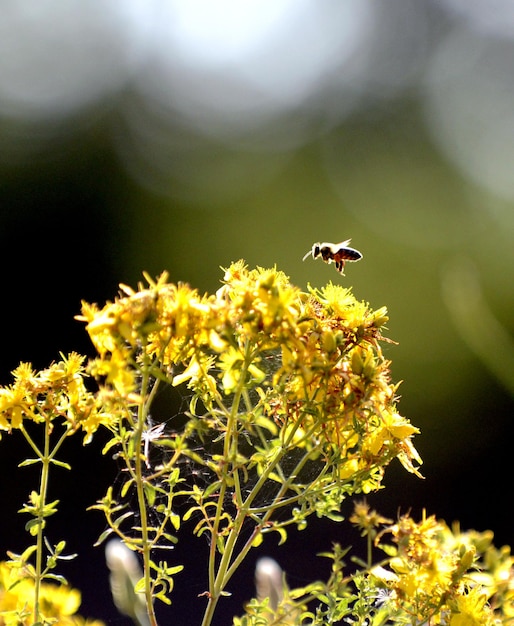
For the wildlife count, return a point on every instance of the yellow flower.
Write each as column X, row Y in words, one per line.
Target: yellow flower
column 232, row 365
column 365, row 519
column 58, row 603
column 470, row 609
column 12, row 407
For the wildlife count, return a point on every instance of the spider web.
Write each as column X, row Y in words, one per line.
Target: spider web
column 170, row 413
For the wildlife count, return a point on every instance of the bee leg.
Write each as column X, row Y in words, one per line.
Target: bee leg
column 340, row 266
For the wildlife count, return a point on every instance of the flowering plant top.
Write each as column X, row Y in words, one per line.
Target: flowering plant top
column 291, row 410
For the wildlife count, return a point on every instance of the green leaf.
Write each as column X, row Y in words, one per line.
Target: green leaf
column 49, row 509
column 220, row 544
column 106, row 533
column 150, row 493
column 119, row 520
column 33, row 525
column 163, row 598
column 389, row 550
column 110, row 444
column 61, row 464
column 57, row 577
column 212, row 488
column 283, row 535
column 190, row 512
column 170, row 538
column 28, row 462
column 175, row 520
column 126, row 487
column 25, row 555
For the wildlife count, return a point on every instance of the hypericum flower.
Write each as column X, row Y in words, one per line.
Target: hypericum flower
column 232, row 365
column 184, row 320
column 434, row 573
column 57, row 393
column 471, row 609
column 58, row 603
column 116, row 370
column 312, row 360
column 365, row 519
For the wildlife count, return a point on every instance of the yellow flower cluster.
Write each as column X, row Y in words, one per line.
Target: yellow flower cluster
column 313, row 359
column 57, row 392
column 58, row 603
column 335, row 385
column 432, row 575
column 446, row 576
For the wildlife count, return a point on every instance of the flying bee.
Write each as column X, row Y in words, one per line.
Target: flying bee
column 337, row 253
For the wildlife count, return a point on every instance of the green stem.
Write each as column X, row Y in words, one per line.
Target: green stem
column 45, row 457
column 43, row 488
column 217, row 580
column 146, row 544
column 228, row 564
column 219, row 576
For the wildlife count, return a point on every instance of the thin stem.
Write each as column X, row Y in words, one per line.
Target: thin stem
column 369, row 550
column 43, row 488
column 217, row 580
column 228, row 565
column 220, row 576
column 146, row 544
column 45, row 456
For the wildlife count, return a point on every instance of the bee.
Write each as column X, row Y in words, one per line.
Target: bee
column 337, row 253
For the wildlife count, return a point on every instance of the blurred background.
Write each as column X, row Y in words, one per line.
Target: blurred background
column 186, row 134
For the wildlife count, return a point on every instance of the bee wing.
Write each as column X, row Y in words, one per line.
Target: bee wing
column 343, row 244
column 353, row 255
